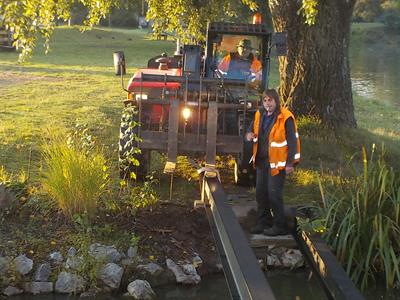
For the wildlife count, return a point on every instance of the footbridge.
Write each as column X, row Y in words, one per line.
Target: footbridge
column 242, row 270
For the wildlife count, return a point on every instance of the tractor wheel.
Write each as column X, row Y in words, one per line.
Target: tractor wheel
column 127, row 148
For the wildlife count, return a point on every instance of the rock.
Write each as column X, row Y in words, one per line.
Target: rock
column 278, row 251
column 151, row 268
column 285, row 258
column 292, row 259
column 132, row 252
column 190, row 270
column 273, row 261
column 6, row 197
column 11, row 291
column 71, row 251
column 141, row 289
column 106, row 253
column 111, row 275
column 197, row 261
column 219, row 267
column 127, row 262
column 74, row 262
column 23, row 264
column 186, row 274
column 56, row 257
column 91, row 293
column 38, row 287
column 69, row 283
column 42, row 272
column 4, row 264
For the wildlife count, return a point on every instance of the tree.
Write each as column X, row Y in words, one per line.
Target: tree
column 315, row 75
column 28, row 18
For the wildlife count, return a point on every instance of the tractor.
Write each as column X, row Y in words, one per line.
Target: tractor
column 185, row 104
column 6, row 39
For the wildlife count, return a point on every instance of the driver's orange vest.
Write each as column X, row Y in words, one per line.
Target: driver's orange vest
column 278, row 149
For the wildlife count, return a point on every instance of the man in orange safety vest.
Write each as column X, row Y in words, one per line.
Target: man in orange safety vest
column 276, row 150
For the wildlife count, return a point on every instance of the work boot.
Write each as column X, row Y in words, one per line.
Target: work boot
column 259, row 228
column 274, row 231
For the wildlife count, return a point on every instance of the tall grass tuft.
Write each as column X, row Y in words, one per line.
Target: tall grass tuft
column 362, row 219
column 74, row 176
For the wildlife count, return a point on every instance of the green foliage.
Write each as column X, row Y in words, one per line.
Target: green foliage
column 391, row 14
column 362, row 219
column 185, row 168
column 366, row 10
column 16, row 185
column 143, row 196
column 129, row 157
column 309, row 10
column 29, row 18
column 74, row 176
column 90, row 267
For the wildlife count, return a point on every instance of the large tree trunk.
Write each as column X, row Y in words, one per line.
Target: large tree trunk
column 315, row 75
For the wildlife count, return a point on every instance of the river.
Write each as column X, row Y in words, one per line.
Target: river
column 375, row 66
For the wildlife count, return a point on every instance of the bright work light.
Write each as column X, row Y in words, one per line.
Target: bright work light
column 186, row 113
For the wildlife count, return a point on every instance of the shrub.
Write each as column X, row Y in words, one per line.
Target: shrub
column 74, row 176
column 362, row 221
column 145, row 195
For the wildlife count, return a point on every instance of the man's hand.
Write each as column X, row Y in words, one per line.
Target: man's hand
column 289, row 169
column 250, row 136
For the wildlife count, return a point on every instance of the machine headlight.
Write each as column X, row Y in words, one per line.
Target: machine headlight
column 249, row 104
column 140, row 97
column 186, row 113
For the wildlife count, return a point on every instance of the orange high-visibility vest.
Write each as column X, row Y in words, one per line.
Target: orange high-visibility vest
column 278, row 149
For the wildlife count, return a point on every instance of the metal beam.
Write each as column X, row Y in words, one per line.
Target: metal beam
column 191, row 143
column 243, row 272
column 173, row 125
column 328, row 271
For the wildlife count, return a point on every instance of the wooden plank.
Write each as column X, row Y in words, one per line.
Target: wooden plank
column 260, row 240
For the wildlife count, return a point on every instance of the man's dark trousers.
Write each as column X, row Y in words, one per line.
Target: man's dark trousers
column 269, row 195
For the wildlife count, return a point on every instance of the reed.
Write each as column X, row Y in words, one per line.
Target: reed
column 74, row 177
column 362, row 222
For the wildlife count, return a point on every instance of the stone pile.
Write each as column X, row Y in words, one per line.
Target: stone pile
column 116, row 271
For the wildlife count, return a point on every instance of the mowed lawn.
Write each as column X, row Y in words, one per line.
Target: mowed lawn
column 74, row 83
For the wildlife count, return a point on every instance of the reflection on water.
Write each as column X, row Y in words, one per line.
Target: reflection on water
column 375, row 69
column 286, row 285
column 295, row 284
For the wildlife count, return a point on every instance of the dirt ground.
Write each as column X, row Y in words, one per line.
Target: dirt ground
column 170, row 230
column 179, row 232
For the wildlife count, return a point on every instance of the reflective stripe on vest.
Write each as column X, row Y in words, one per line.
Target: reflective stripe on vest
column 278, row 143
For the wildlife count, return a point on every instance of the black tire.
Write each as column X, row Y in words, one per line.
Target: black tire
column 127, row 145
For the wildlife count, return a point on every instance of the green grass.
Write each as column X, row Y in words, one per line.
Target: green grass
column 74, row 83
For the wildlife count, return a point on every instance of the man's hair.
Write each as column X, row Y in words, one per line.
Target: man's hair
column 272, row 93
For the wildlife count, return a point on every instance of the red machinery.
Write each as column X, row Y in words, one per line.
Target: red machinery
column 185, row 104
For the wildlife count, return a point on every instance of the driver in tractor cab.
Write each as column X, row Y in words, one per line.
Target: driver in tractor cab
column 241, row 64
